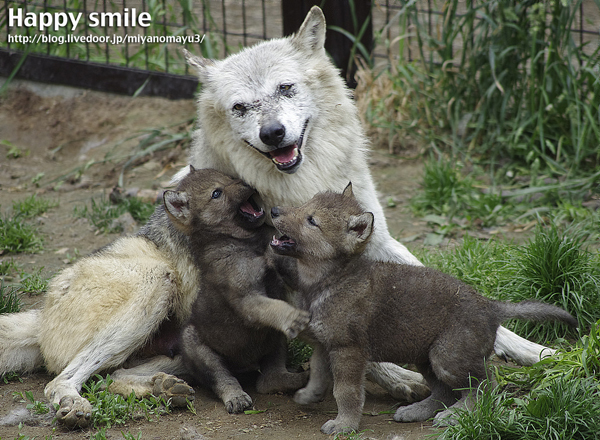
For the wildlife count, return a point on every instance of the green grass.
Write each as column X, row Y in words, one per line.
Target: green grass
column 111, row 409
column 102, row 212
column 555, row 267
column 17, row 236
column 10, row 300
column 518, row 98
column 35, row 406
column 557, row 398
column 7, row 267
column 34, row 283
column 32, row 206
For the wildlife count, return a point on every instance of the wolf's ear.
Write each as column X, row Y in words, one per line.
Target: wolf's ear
column 311, row 35
column 201, row 65
column 360, row 227
column 348, row 190
column 177, row 205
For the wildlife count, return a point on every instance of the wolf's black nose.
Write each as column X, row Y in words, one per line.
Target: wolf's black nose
column 272, row 133
column 274, row 212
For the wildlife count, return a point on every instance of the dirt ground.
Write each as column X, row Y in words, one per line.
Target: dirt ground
column 60, row 129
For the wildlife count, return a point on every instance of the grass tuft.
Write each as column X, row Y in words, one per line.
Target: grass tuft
column 554, row 267
column 10, row 300
column 102, row 212
column 111, row 409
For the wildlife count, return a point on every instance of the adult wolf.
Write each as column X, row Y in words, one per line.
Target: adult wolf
column 278, row 116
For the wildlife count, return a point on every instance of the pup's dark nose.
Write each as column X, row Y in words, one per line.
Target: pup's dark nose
column 274, row 212
column 272, row 133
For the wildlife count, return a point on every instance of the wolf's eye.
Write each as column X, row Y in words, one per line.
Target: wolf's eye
column 286, row 89
column 241, row 108
column 312, row 220
column 216, row 193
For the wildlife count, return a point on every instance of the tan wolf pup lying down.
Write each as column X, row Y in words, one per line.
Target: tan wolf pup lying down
column 363, row 310
column 240, row 320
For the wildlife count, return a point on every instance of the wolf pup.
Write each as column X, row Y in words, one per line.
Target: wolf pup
column 240, row 320
column 278, row 116
column 363, row 310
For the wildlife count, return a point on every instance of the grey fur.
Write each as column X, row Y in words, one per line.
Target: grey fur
column 240, row 320
column 374, row 311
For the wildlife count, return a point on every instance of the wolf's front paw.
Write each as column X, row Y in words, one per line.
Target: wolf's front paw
column 171, row 387
column 239, row 403
column 297, row 322
column 336, row 427
column 74, row 412
column 304, row 396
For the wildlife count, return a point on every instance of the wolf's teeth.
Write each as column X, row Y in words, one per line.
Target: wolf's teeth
column 289, row 161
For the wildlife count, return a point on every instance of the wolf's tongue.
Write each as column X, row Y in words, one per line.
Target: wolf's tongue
column 249, row 209
column 284, row 155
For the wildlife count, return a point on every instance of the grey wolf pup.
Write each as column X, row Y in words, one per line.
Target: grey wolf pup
column 240, row 320
column 278, row 116
column 364, row 310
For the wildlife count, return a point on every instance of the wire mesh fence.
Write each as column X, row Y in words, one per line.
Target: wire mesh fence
column 148, row 34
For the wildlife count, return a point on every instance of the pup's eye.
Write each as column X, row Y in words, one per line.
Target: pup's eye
column 312, row 220
column 239, row 107
column 216, row 193
column 285, row 89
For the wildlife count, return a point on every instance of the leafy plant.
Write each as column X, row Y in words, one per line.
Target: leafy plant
column 111, row 409
column 34, row 283
column 34, row 406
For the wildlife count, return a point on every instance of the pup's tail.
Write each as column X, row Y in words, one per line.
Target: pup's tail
column 536, row 311
column 19, row 347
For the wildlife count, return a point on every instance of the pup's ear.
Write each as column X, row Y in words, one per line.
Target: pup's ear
column 201, row 65
column 348, row 190
column 177, row 205
column 311, row 35
column 360, row 227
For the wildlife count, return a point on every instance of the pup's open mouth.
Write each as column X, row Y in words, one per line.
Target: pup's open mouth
column 251, row 211
column 283, row 244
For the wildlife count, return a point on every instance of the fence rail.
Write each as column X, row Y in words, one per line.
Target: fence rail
column 143, row 37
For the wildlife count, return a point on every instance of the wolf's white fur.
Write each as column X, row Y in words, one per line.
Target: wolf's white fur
column 102, row 309
column 96, row 315
column 334, row 146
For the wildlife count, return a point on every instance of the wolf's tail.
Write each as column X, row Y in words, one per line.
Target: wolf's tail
column 19, row 347
column 536, row 311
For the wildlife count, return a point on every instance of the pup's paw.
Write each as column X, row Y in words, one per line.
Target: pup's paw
column 171, row 387
column 74, row 412
column 337, row 427
column 409, row 390
column 238, row 403
column 414, row 413
column 297, row 322
column 304, row 396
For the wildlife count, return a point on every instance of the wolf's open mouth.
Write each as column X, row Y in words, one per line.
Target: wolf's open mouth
column 283, row 244
column 287, row 159
column 251, row 211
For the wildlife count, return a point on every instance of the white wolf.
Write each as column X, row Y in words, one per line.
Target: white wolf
column 276, row 115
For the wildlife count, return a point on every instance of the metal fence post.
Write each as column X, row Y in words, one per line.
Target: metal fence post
column 337, row 13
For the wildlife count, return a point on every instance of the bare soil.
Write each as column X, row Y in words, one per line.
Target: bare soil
column 61, row 129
